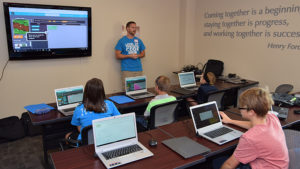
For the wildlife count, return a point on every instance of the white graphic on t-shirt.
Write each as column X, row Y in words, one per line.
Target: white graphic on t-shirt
column 83, row 111
column 132, row 48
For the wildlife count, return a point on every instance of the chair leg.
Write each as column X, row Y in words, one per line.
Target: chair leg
column 61, row 146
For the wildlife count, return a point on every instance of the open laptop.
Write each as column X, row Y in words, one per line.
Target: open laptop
column 136, row 87
column 67, row 99
column 208, row 124
column 187, row 83
column 116, row 142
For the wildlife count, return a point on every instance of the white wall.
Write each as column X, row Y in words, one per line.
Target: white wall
column 172, row 31
column 34, row 81
column 250, row 57
column 188, row 41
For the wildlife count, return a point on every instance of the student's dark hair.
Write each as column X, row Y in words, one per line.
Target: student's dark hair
column 129, row 23
column 163, row 83
column 94, row 96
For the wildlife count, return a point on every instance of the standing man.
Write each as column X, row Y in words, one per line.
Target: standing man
column 130, row 49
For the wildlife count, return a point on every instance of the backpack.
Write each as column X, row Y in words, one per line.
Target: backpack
column 214, row 66
column 11, row 128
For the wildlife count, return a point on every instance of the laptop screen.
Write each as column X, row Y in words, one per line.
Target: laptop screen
column 111, row 130
column 205, row 115
column 69, row 96
column 186, row 78
column 135, row 83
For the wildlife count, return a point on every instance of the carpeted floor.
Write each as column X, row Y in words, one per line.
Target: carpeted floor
column 25, row 153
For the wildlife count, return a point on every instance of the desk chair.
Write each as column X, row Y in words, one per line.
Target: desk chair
column 218, row 97
column 87, row 137
column 292, row 141
column 241, row 90
column 163, row 114
column 284, row 88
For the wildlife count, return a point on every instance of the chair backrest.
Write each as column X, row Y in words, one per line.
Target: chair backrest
column 284, row 88
column 293, row 144
column 87, row 136
column 218, row 97
column 163, row 114
column 242, row 89
column 214, row 66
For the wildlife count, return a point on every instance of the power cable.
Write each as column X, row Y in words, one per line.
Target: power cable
column 2, row 73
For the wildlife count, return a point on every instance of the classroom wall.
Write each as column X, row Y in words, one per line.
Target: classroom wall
column 173, row 32
column 251, row 57
column 33, row 81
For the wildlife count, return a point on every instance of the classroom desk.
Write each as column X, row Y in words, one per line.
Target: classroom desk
column 83, row 157
column 56, row 125
column 55, row 116
column 222, row 85
column 231, row 91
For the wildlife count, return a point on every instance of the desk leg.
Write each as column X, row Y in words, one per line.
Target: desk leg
column 44, row 145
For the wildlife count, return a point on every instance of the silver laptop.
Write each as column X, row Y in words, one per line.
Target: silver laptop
column 208, row 124
column 67, row 99
column 136, row 87
column 185, row 146
column 116, row 142
column 187, row 81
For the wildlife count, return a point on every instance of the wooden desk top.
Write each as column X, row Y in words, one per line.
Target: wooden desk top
column 223, row 85
column 51, row 117
column 163, row 158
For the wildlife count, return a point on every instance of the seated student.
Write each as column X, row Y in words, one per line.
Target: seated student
column 162, row 85
column 94, row 106
column 207, row 82
column 263, row 145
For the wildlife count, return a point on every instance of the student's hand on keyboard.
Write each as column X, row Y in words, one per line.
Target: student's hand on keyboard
column 225, row 118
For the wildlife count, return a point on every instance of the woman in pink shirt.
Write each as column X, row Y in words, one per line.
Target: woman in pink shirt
column 263, row 146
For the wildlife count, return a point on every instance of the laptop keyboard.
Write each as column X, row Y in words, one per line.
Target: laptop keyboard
column 192, row 87
column 139, row 94
column 218, row 132
column 121, row 152
column 69, row 109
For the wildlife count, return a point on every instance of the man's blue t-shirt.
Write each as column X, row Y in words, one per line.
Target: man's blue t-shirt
column 84, row 118
column 129, row 46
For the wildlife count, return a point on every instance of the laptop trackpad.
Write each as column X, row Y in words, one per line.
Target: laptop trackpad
column 228, row 137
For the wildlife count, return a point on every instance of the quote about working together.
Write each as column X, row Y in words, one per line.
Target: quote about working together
column 240, row 24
